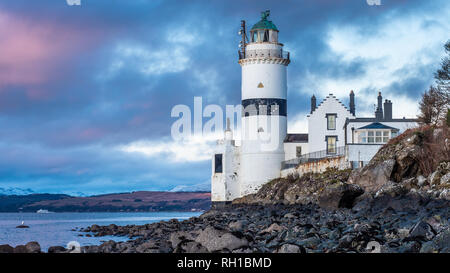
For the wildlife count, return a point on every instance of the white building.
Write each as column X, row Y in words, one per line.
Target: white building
column 266, row 148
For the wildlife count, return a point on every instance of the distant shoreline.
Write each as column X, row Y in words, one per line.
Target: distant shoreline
column 141, row 201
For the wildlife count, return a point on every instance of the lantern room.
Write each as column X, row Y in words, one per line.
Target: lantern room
column 264, row 31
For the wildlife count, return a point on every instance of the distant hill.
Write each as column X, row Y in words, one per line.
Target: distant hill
column 134, row 201
column 15, row 203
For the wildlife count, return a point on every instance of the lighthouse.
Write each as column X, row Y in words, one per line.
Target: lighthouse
column 242, row 170
column 264, row 92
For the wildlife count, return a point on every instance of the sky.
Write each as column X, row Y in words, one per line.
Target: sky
column 86, row 92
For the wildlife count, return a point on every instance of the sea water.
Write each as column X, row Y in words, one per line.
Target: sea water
column 57, row 229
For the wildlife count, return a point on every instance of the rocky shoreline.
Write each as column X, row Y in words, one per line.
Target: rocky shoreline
column 421, row 225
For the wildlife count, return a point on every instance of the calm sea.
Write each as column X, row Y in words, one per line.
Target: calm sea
column 55, row 229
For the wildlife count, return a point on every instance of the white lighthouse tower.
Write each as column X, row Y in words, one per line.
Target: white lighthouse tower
column 264, row 93
column 242, row 170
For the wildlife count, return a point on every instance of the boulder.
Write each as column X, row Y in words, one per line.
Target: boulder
column 20, row 249
column 191, row 247
column 392, row 189
column 237, row 225
column 56, row 249
column 421, row 181
column 177, row 237
column 422, row 231
column 373, row 176
column 6, row 249
column 339, row 195
column 445, row 180
column 273, row 228
column 214, row 240
column 147, row 247
column 291, row 248
column 442, row 241
column 94, row 228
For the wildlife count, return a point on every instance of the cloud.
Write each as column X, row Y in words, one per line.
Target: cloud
column 192, row 149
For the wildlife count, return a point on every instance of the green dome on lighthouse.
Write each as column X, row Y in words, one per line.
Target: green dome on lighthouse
column 264, row 23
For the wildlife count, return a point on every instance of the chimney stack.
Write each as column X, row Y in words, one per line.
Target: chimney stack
column 379, row 111
column 313, row 103
column 352, row 102
column 387, row 110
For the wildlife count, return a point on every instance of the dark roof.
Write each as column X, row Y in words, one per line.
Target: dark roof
column 296, row 138
column 377, row 125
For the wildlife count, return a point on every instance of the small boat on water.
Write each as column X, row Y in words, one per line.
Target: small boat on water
column 22, row 225
column 43, row 211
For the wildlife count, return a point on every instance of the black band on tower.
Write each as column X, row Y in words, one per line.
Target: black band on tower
column 268, row 107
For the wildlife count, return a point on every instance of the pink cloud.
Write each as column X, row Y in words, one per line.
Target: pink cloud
column 33, row 52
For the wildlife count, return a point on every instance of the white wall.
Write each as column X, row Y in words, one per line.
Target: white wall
column 317, row 124
column 290, row 149
column 225, row 186
column 362, row 152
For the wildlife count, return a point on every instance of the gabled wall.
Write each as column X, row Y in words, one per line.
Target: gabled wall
column 317, row 124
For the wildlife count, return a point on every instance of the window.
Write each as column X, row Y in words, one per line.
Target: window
column 373, row 136
column 331, row 121
column 370, row 137
column 362, row 137
column 331, row 144
column 218, row 163
column 266, row 36
column 273, row 35
column 378, row 136
column 385, row 136
column 298, row 151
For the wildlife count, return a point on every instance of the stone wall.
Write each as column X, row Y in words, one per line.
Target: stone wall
column 319, row 166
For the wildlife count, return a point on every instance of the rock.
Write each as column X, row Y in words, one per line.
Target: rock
column 176, row 237
column 339, row 195
column 20, row 249
column 403, row 233
column 56, row 249
column 33, row 247
column 421, row 181
column 445, row 180
column 238, row 225
column 392, row 189
column 442, row 241
column 290, row 216
column 291, row 248
column 311, row 242
column 273, row 227
column 372, row 176
column 146, row 247
column 214, row 240
column 6, row 249
column 428, row 247
column 191, row 247
column 422, row 231
column 108, row 247
column 435, row 178
column 95, row 228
